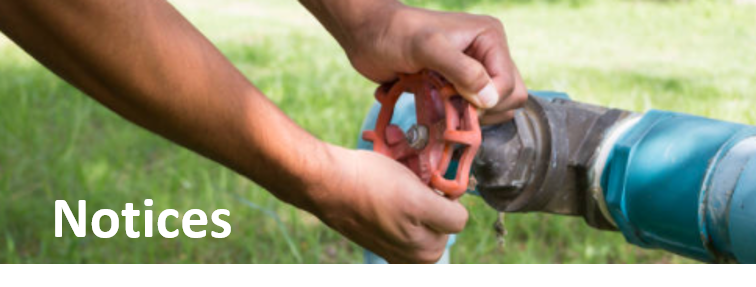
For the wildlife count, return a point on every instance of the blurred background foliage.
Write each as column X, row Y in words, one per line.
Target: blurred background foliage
column 695, row 57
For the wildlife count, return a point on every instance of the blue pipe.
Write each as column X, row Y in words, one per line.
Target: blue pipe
column 685, row 184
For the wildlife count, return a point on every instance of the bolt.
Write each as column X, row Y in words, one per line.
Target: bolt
column 417, row 136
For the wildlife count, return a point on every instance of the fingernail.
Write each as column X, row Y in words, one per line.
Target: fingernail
column 488, row 95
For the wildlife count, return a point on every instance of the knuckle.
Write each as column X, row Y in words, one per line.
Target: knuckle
column 493, row 22
column 508, row 88
column 413, row 230
column 460, row 225
column 519, row 97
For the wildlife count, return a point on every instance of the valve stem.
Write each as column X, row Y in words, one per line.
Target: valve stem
column 417, row 136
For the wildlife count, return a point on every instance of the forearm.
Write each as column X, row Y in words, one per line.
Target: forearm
column 143, row 60
column 349, row 20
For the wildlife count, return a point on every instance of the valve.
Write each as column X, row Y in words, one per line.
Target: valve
column 447, row 125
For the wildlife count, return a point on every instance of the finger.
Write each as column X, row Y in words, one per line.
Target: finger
column 443, row 215
column 491, row 49
column 467, row 75
column 503, row 111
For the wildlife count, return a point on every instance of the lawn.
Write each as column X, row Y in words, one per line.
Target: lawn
column 696, row 57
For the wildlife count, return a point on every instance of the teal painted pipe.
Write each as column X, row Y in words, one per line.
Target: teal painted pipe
column 685, row 184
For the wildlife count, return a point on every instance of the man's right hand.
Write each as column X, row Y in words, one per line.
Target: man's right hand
column 385, row 38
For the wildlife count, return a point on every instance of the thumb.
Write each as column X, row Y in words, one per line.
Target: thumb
column 444, row 215
column 468, row 76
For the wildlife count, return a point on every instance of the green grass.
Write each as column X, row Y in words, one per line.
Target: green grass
column 694, row 56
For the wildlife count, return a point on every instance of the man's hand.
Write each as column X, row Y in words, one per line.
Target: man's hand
column 384, row 38
column 381, row 205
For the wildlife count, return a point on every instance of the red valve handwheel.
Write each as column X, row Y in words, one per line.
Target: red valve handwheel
column 450, row 121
